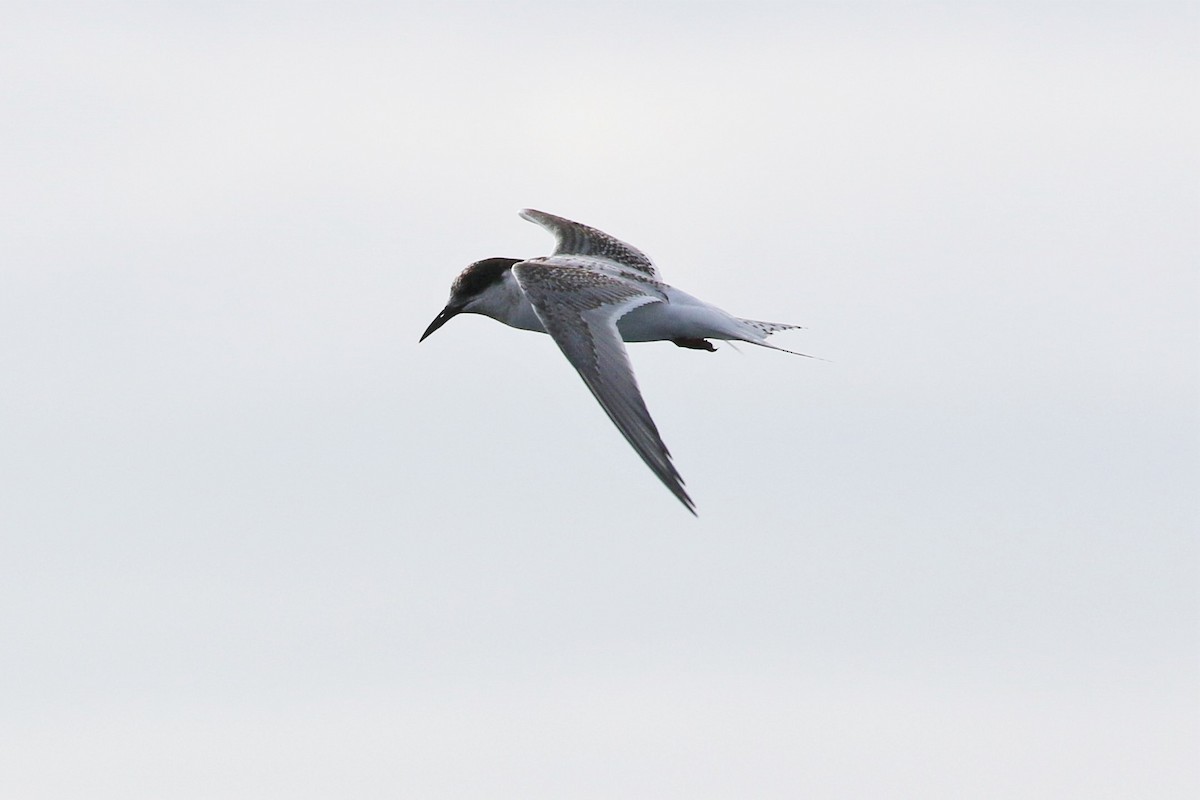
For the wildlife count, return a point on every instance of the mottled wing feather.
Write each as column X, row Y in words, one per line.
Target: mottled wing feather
column 580, row 309
column 577, row 239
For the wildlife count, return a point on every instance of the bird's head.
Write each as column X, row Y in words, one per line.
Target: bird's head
column 469, row 288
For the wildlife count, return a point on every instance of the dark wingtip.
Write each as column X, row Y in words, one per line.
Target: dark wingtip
column 675, row 484
column 686, row 499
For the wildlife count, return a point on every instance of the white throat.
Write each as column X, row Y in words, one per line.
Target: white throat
column 504, row 302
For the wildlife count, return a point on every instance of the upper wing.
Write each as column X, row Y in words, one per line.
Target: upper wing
column 580, row 309
column 576, row 239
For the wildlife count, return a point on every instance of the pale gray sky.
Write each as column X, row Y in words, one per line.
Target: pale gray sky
column 259, row 543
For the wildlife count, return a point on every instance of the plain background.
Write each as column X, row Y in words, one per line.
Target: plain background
column 259, row 543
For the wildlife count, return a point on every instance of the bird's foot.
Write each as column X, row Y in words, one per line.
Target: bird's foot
column 695, row 344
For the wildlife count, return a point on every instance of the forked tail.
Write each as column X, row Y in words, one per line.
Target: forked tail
column 759, row 331
column 767, row 328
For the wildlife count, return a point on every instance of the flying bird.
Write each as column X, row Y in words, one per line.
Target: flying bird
column 592, row 294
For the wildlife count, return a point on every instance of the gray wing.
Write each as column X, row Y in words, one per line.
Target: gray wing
column 576, row 239
column 580, row 309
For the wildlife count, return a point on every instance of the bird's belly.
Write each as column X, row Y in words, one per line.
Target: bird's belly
column 655, row 322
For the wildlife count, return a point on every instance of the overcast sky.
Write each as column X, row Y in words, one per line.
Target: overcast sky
column 258, row 543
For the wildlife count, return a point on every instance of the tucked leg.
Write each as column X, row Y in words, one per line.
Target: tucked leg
column 695, row 344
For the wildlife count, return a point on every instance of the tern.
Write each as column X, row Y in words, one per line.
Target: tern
column 592, row 294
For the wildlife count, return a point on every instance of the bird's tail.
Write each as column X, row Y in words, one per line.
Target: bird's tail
column 757, row 332
column 767, row 328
